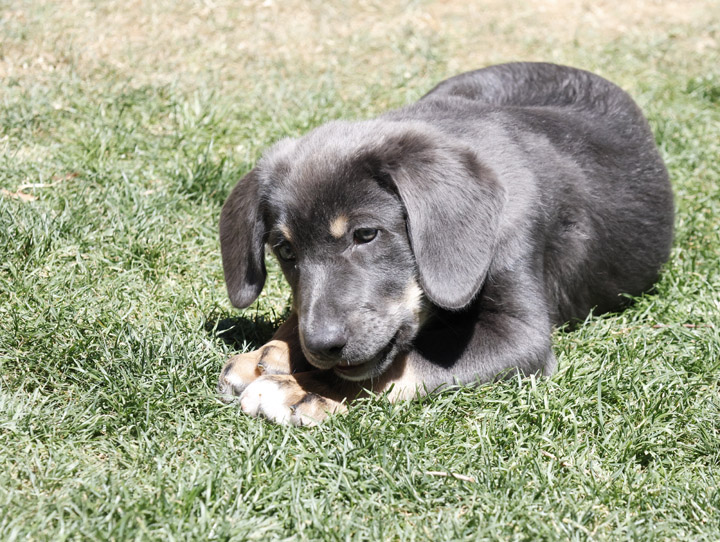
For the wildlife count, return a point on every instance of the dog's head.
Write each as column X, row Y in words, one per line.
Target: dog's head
column 372, row 223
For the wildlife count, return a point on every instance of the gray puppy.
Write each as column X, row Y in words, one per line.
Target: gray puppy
column 440, row 243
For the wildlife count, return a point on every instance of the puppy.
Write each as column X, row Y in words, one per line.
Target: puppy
column 440, row 243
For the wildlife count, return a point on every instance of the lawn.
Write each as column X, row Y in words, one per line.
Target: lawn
column 123, row 125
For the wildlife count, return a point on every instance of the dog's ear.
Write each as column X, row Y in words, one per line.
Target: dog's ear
column 242, row 240
column 453, row 205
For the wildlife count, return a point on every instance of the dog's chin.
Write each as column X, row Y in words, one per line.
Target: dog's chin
column 360, row 370
column 370, row 369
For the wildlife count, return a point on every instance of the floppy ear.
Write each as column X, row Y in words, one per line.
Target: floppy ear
column 242, row 238
column 453, row 206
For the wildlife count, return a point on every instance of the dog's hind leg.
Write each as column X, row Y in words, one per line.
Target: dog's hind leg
column 280, row 356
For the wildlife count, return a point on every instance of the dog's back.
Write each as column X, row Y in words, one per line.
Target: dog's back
column 613, row 227
column 538, row 84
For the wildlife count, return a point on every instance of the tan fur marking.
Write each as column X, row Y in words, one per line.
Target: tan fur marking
column 274, row 358
column 400, row 381
column 285, row 231
column 240, row 368
column 313, row 409
column 413, row 300
column 278, row 356
column 338, row 226
column 292, row 392
column 310, row 398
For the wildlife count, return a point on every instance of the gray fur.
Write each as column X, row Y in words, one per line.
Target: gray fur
column 518, row 196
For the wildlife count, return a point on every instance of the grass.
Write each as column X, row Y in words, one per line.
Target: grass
column 123, row 127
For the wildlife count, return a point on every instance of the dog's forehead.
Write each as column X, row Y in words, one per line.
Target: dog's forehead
column 321, row 183
column 313, row 185
column 316, row 201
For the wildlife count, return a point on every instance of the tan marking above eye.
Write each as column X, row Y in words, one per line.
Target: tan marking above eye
column 285, row 231
column 338, row 226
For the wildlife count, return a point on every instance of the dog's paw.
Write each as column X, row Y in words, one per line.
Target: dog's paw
column 284, row 400
column 242, row 369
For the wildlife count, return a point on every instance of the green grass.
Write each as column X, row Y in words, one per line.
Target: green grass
column 112, row 303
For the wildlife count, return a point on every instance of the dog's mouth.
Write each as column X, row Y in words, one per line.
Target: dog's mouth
column 371, row 368
column 351, row 362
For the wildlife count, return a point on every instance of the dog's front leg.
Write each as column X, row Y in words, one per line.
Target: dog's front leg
column 282, row 355
column 308, row 398
column 299, row 399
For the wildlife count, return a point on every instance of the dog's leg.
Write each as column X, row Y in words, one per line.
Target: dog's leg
column 308, row 398
column 281, row 355
column 298, row 399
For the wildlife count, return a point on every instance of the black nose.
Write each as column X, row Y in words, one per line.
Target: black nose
column 326, row 343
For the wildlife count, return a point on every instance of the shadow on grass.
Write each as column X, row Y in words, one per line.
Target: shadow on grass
column 243, row 332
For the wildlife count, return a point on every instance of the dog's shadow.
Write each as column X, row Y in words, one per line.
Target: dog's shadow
column 243, row 332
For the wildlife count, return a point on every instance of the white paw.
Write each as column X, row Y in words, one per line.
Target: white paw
column 270, row 399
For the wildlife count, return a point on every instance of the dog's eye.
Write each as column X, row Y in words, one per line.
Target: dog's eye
column 365, row 235
column 285, row 252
